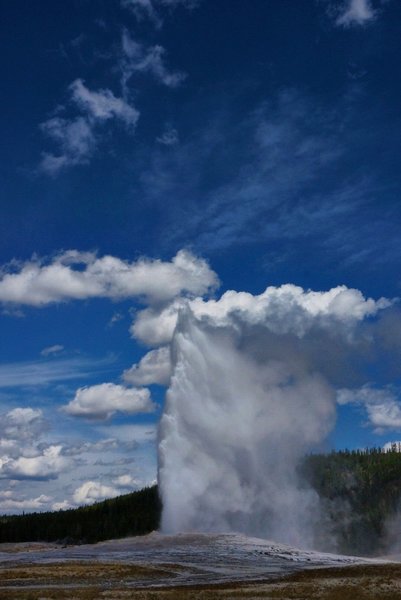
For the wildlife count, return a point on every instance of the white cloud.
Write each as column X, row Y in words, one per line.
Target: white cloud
column 45, row 466
column 23, row 416
column 93, row 491
column 286, row 309
column 23, row 454
column 126, row 482
column 392, row 446
column 103, row 400
column 155, row 326
column 356, row 12
column 154, row 367
column 37, row 283
column 9, row 503
column 22, row 424
column 382, row 405
column 63, row 505
column 49, row 350
column 138, row 59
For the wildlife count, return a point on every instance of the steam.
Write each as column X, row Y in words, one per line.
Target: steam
column 252, row 391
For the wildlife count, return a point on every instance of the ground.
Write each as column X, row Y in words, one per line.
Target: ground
column 186, row 567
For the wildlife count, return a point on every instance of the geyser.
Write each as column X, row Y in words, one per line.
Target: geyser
column 251, row 392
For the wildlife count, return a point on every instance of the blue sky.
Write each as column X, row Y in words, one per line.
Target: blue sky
column 256, row 142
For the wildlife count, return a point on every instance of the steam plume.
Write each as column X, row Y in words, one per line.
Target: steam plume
column 250, row 394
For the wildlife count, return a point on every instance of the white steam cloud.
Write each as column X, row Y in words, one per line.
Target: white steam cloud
column 251, row 392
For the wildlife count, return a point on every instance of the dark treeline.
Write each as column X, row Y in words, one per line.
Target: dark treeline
column 131, row 514
column 360, row 492
column 361, row 496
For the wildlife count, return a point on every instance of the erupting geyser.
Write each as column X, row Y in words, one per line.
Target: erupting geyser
column 251, row 392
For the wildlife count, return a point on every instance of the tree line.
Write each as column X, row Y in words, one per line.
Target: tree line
column 137, row 513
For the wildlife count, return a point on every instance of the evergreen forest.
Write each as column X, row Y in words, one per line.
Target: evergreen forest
column 360, row 492
column 137, row 513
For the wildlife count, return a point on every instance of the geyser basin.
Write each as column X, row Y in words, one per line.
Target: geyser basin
column 187, row 558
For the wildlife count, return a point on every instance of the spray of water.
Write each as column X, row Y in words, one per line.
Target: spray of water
column 250, row 394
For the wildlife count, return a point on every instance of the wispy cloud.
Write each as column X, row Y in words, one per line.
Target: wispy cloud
column 44, row 372
column 77, row 137
column 169, row 137
column 76, row 141
column 284, row 189
column 144, row 9
column 151, row 60
column 102, row 105
column 352, row 13
column 152, row 9
column 56, row 349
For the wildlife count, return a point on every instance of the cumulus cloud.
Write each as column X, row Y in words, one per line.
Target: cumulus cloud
column 94, row 491
column 155, row 326
column 356, row 13
column 154, row 367
column 392, row 446
column 9, row 503
column 23, row 454
column 139, row 59
column 126, row 481
column 22, row 424
column 78, row 276
column 287, row 309
column 76, row 136
column 382, row 405
column 44, row 466
column 63, row 505
column 103, row 400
